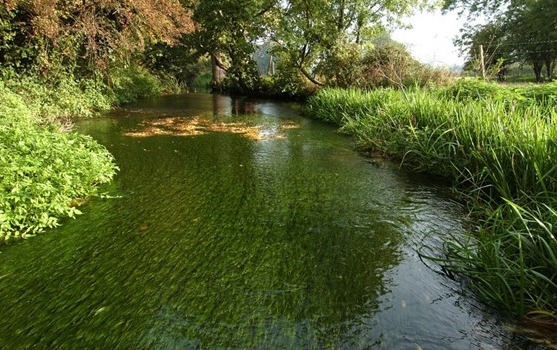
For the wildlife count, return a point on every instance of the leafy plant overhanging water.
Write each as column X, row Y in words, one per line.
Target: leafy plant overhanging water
column 224, row 241
column 45, row 171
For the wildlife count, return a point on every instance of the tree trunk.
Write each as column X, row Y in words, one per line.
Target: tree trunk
column 309, row 77
column 359, row 26
column 271, row 67
column 549, row 66
column 538, row 66
column 340, row 23
column 217, row 70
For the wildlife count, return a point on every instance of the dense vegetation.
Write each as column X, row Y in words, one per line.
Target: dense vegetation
column 43, row 169
column 292, row 48
column 46, row 171
column 497, row 145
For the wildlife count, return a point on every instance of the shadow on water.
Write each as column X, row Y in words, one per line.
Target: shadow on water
column 220, row 241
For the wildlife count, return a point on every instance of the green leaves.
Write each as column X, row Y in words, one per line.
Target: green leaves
column 312, row 40
column 43, row 170
column 41, row 173
column 228, row 31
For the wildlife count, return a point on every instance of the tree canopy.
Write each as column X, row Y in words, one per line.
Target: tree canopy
column 314, row 42
column 523, row 31
column 87, row 33
column 306, row 35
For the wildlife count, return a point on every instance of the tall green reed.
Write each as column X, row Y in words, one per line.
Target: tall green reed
column 500, row 153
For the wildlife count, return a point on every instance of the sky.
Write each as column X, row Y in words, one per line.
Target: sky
column 430, row 40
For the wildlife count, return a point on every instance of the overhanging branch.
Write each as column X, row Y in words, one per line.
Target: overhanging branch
column 309, row 77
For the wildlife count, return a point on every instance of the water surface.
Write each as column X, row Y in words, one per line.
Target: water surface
column 222, row 241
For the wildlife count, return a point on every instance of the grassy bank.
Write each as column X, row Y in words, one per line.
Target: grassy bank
column 45, row 169
column 498, row 146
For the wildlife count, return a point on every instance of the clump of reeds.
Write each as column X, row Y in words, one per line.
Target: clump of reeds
column 499, row 148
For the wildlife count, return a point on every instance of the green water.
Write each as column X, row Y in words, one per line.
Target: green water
column 218, row 241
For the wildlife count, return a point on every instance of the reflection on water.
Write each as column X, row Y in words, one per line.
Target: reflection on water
column 221, row 241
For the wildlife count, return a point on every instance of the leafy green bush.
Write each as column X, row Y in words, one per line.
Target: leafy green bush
column 46, row 102
column 544, row 94
column 42, row 172
column 13, row 107
column 433, row 76
column 477, row 89
column 389, row 64
column 342, row 65
column 286, row 83
column 132, row 82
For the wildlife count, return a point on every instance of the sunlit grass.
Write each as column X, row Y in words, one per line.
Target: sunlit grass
column 499, row 148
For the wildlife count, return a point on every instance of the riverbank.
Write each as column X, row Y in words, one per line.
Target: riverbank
column 45, row 169
column 498, row 147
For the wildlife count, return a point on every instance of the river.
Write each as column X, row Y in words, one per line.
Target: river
column 239, row 224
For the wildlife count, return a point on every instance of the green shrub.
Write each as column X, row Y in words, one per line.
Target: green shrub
column 287, row 83
column 388, row 64
column 202, row 81
column 13, row 107
column 132, row 82
column 432, row 76
column 477, row 89
column 47, row 102
column 544, row 94
column 42, row 170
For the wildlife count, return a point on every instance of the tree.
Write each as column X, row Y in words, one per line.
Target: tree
column 533, row 26
column 521, row 30
column 228, row 31
column 490, row 39
column 389, row 64
column 311, row 33
column 316, row 39
column 474, row 7
column 87, row 34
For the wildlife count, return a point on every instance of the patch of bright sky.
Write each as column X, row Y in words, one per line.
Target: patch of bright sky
column 430, row 38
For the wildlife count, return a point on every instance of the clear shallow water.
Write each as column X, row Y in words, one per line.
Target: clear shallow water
column 223, row 242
